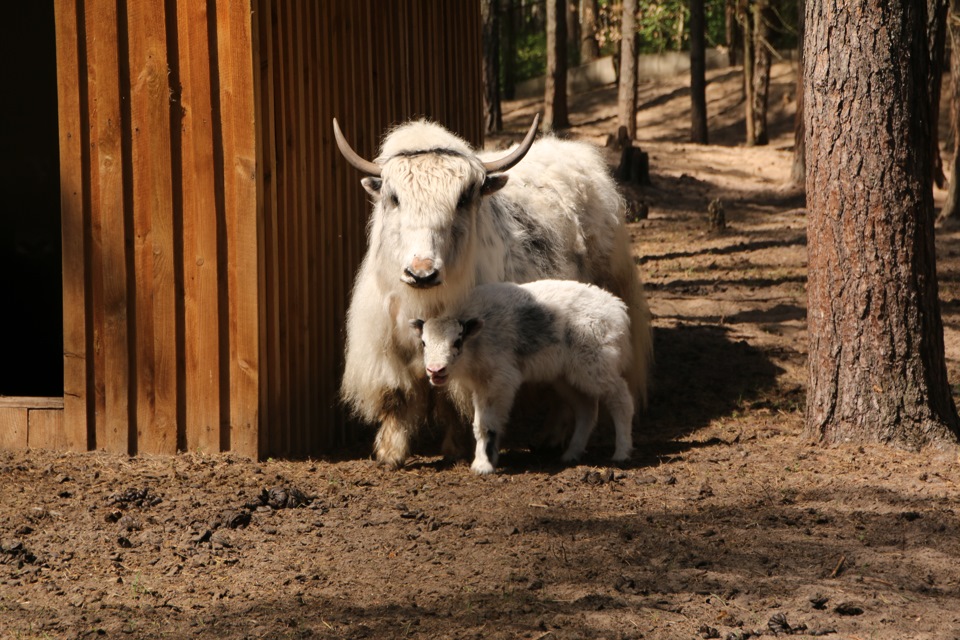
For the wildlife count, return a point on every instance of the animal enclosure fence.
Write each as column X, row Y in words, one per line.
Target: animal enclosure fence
column 210, row 229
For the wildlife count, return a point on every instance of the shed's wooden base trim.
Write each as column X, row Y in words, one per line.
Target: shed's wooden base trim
column 28, row 422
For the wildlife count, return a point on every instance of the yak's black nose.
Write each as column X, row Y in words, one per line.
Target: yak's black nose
column 429, row 279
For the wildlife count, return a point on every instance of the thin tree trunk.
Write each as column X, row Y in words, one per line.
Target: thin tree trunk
column 573, row 30
column 698, row 70
column 798, row 172
column 937, row 34
column 732, row 31
column 762, row 28
column 492, row 111
column 745, row 20
column 589, row 47
column 627, row 90
column 508, row 53
column 950, row 213
column 877, row 371
column 555, row 96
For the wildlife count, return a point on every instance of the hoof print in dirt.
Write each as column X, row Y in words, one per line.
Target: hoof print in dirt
column 849, row 609
column 13, row 552
column 707, row 632
column 819, row 602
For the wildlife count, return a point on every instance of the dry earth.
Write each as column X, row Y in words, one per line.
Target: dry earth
column 726, row 524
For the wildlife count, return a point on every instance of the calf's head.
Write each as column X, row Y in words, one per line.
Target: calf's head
column 427, row 185
column 442, row 340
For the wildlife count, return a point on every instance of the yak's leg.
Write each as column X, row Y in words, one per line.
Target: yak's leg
column 585, row 409
column 489, row 418
column 620, row 404
column 398, row 422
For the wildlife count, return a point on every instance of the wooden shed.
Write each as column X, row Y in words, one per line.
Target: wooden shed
column 210, row 230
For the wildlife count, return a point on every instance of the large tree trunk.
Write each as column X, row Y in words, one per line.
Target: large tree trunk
column 951, row 205
column 698, row 73
column 627, row 90
column 762, row 28
column 937, row 34
column 798, row 172
column 589, row 46
column 492, row 112
column 876, row 355
column 555, row 97
column 573, row 30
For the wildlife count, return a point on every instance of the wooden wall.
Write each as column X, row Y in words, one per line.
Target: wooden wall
column 371, row 64
column 211, row 230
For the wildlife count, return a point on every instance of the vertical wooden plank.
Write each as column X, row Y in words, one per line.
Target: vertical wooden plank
column 70, row 67
column 13, row 428
column 156, row 347
column 201, row 316
column 315, row 422
column 329, row 157
column 237, row 111
column 107, row 221
column 45, row 429
column 302, row 212
column 267, row 215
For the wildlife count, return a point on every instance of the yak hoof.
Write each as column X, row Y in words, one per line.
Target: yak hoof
column 483, row 467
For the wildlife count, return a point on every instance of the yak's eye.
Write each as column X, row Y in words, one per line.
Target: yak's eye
column 394, row 200
column 464, row 200
column 458, row 344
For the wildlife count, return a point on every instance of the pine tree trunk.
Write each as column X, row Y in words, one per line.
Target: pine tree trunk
column 732, row 31
column 589, row 46
column 627, row 90
column 746, row 20
column 876, row 355
column 698, row 71
column 762, row 17
column 937, row 34
column 508, row 52
column 950, row 213
column 798, row 172
column 555, row 93
column 492, row 111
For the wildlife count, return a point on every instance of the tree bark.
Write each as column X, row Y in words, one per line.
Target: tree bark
column 762, row 28
column 627, row 90
column 492, row 111
column 877, row 371
column 508, row 53
column 798, row 172
column 589, row 46
column 555, row 94
column 698, row 73
column 573, row 30
column 937, row 34
column 951, row 205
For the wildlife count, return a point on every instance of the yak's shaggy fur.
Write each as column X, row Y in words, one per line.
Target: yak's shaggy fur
column 571, row 334
column 441, row 225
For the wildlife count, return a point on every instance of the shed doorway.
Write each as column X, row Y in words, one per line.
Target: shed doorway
column 31, row 311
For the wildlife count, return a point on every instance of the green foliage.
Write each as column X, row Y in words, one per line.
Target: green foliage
column 531, row 54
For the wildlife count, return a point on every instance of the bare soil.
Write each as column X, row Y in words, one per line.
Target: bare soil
column 726, row 524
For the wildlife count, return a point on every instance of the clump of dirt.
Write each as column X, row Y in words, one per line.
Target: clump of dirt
column 726, row 523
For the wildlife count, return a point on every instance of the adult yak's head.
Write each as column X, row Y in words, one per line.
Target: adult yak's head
column 427, row 186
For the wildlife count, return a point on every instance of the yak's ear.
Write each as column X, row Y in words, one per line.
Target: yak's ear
column 493, row 183
column 372, row 185
column 471, row 327
column 417, row 326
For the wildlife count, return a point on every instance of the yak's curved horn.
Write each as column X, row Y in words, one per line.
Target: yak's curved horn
column 517, row 154
column 351, row 156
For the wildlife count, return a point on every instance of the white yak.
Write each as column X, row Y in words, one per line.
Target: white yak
column 445, row 219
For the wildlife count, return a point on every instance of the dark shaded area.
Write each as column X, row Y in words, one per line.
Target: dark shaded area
column 31, row 324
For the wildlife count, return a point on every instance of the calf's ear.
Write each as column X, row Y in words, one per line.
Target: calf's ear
column 471, row 327
column 372, row 186
column 493, row 183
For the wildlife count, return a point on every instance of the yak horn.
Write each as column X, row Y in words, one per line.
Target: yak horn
column 517, row 154
column 351, row 156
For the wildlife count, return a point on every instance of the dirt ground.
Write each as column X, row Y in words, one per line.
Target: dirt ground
column 726, row 524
